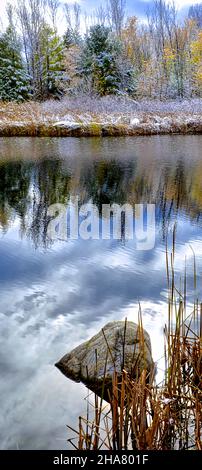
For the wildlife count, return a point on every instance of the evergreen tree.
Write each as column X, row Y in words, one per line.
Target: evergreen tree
column 14, row 82
column 72, row 38
column 98, row 41
column 50, row 64
column 106, row 76
column 68, row 38
column 103, row 62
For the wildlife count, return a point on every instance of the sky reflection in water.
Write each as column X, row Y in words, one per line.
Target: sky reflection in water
column 55, row 296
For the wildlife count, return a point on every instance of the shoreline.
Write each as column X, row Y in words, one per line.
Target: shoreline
column 162, row 126
column 99, row 117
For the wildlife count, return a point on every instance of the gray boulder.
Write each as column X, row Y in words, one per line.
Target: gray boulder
column 117, row 346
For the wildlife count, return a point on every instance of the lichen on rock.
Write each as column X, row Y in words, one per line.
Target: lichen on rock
column 119, row 345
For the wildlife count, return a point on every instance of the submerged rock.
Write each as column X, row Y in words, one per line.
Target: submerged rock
column 117, row 346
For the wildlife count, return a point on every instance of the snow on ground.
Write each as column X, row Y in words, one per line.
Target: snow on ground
column 73, row 112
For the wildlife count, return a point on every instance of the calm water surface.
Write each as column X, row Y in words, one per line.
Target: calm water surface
column 53, row 296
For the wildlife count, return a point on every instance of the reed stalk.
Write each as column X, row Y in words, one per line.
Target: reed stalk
column 144, row 415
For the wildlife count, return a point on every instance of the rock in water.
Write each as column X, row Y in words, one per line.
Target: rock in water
column 117, row 346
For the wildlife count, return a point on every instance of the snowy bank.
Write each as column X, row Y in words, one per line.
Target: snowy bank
column 95, row 118
column 150, row 126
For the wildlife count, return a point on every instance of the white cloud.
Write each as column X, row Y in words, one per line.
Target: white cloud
column 179, row 3
column 183, row 3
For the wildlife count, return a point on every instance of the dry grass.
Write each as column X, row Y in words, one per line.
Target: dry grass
column 28, row 111
column 121, row 105
column 150, row 416
column 92, row 108
column 96, row 117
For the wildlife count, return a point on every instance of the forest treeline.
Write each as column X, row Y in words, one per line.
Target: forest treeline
column 104, row 53
column 28, row 188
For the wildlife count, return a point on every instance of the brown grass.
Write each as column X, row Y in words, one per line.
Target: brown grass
column 150, row 416
column 99, row 117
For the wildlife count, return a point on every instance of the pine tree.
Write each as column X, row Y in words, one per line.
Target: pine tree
column 50, row 64
column 72, row 38
column 68, row 38
column 102, row 60
column 106, row 77
column 14, row 82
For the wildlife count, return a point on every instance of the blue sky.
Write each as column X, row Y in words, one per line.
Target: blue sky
column 54, row 299
column 136, row 7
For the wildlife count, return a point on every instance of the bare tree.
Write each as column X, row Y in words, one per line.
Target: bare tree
column 77, row 16
column 10, row 14
column 31, row 19
column 195, row 13
column 53, row 8
column 73, row 16
column 37, row 41
column 167, row 39
column 101, row 15
column 116, row 14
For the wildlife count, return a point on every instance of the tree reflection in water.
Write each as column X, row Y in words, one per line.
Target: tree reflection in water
column 28, row 188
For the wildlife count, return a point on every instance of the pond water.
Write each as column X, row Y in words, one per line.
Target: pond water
column 54, row 295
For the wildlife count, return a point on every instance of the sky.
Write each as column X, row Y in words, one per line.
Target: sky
column 136, row 7
column 54, row 299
